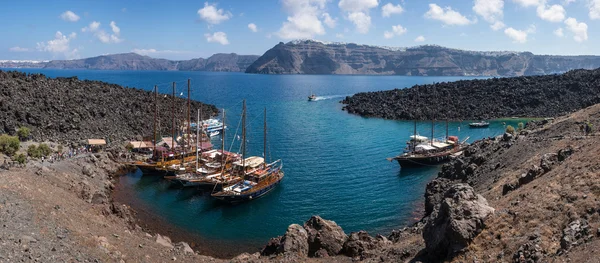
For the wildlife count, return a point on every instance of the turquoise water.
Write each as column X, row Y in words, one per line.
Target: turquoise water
column 335, row 163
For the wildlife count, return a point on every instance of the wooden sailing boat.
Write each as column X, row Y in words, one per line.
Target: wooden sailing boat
column 164, row 162
column 259, row 177
column 423, row 151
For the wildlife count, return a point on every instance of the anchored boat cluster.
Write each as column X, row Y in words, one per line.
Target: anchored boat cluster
column 191, row 161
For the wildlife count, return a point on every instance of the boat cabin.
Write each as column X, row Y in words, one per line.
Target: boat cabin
column 248, row 165
column 143, row 147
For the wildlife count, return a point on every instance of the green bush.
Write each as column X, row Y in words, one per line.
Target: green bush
column 9, row 145
column 59, row 148
column 510, row 129
column 23, row 133
column 34, row 151
column 44, row 149
column 20, row 158
column 520, row 126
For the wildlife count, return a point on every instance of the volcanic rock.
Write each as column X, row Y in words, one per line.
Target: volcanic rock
column 459, row 220
column 324, row 234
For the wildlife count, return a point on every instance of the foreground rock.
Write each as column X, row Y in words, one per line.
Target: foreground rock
column 458, row 220
column 536, row 96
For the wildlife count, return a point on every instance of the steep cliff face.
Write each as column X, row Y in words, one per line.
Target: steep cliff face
column 132, row 61
column 314, row 57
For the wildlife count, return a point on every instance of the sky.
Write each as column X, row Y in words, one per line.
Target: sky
column 71, row 29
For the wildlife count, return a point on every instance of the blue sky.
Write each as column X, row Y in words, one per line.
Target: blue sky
column 43, row 30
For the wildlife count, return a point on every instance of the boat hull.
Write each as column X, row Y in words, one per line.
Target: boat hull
column 247, row 197
column 422, row 161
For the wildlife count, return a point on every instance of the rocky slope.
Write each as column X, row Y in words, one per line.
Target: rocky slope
column 531, row 197
column 528, row 96
column 132, row 61
column 315, row 57
column 71, row 110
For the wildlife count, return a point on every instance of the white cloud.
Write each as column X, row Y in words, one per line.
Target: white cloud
column 303, row 21
column 115, row 28
column 361, row 20
column 567, row 2
column 555, row 13
column 338, row 35
column 69, row 16
column 252, row 27
column 92, row 27
column 396, row 31
column 18, row 49
column 330, row 22
column 357, row 5
column 358, row 13
column 528, row 3
column 420, row 39
column 447, row 15
column 101, row 35
column 579, row 30
column 497, row 26
column 59, row 45
column 594, row 6
column 559, row 32
column 212, row 15
column 217, row 37
column 491, row 11
column 390, row 9
column 518, row 36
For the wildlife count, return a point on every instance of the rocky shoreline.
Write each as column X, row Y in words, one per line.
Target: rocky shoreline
column 531, row 96
column 69, row 110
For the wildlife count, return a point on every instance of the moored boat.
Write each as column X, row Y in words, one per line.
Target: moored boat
column 258, row 176
column 480, row 124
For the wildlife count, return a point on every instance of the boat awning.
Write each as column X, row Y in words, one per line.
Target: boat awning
column 418, row 138
column 424, row 147
column 141, row 144
column 440, row 145
column 96, row 142
column 253, row 161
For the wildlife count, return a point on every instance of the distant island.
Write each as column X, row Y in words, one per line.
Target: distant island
column 317, row 57
column 133, row 61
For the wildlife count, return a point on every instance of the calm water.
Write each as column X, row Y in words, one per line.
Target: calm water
column 335, row 163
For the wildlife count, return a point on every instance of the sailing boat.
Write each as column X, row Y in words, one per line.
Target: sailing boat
column 423, row 151
column 259, row 177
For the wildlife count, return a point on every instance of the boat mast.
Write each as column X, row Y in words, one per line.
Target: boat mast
column 244, row 139
column 155, row 114
column 223, row 142
column 199, row 126
column 197, row 141
column 189, row 120
column 446, row 130
column 173, row 117
column 265, row 142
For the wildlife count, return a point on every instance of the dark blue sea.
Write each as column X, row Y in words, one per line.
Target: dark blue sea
column 335, row 163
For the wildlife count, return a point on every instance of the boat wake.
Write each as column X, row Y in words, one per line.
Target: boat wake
column 331, row 97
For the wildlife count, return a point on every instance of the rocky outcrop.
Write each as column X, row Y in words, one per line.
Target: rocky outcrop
column 73, row 110
column 460, row 218
column 575, row 233
column 316, row 57
column 536, row 96
column 324, row 235
column 317, row 238
column 132, row 61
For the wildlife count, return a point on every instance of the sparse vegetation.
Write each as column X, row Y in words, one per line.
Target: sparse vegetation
column 33, row 151
column 44, row 149
column 23, row 133
column 520, row 127
column 9, row 145
column 20, row 158
column 510, row 129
